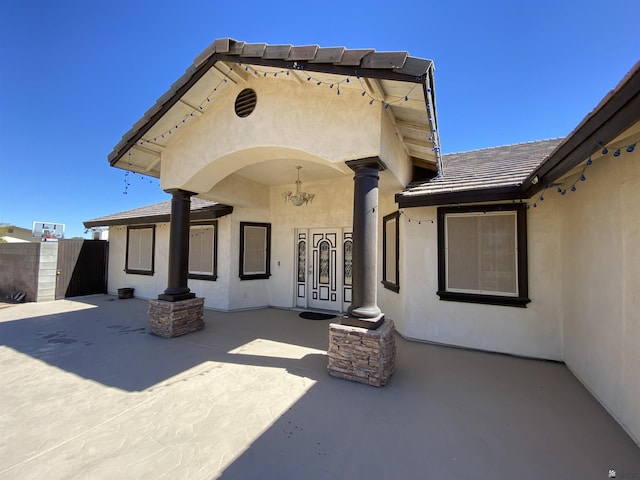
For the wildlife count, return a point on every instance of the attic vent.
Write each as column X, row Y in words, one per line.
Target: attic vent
column 246, row 102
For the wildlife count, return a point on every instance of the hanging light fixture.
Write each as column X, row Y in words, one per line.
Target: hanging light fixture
column 299, row 198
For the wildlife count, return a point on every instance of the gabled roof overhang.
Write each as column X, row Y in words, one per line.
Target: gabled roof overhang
column 614, row 115
column 420, row 137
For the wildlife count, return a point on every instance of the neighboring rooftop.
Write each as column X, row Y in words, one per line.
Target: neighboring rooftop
column 13, row 234
column 160, row 212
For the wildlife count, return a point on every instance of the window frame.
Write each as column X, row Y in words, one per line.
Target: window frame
column 393, row 286
column 521, row 299
column 200, row 276
column 137, row 271
column 255, row 276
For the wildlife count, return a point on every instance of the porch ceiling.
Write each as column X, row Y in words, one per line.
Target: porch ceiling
column 403, row 85
column 283, row 172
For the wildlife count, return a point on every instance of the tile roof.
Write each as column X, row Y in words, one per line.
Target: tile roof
column 489, row 168
column 159, row 212
column 396, row 62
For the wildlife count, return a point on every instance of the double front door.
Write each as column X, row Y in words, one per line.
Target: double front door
column 323, row 268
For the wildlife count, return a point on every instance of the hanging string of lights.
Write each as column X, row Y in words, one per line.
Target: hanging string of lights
column 365, row 93
column 416, row 220
column 331, row 84
column 263, row 73
column 191, row 114
column 617, row 151
column 129, row 173
column 310, row 78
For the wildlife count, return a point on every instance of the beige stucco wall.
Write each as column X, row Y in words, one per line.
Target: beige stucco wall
column 330, row 128
column 533, row 331
column 216, row 293
column 332, row 208
column 600, row 261
column 390, row 302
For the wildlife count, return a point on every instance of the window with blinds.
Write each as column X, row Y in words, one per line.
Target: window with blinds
column 202, row 251
column 140, row 250
column 482, row 254
column 255, row 246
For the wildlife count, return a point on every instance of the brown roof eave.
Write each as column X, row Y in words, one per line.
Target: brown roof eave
column 618, row 111
column 460, row 197
column 204, row 214
column 307, row 65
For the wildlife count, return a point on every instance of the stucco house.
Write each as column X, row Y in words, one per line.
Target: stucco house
column 527, row 249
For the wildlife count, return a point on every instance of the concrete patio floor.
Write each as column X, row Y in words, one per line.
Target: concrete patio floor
column 87, row 393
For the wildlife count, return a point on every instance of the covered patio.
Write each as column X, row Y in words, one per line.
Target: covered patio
column 86, row 393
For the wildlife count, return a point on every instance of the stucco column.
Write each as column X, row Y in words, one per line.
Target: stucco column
column 177, row 288
column 364, row 310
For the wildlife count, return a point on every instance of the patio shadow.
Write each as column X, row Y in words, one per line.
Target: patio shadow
column 446, row 413
column 110, row 344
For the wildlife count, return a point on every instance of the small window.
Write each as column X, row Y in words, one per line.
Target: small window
column 203, row 241
column 140, row 250
column 391, row 251
column 482, row 255
column 255, row 250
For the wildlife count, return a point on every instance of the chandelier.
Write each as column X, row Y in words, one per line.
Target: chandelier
column 299, row 198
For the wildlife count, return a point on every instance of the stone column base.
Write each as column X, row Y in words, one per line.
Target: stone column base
column 362, row 355
column 172, row 319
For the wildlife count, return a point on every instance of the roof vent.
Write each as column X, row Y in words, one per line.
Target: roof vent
column 246, row 102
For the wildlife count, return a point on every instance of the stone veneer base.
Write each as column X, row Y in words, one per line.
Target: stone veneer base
column 172, row 319
column 362, row 355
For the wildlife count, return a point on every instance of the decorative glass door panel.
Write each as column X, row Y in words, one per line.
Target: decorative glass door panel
column 347, row 272
column 325, row 255
column 323, row 269
column 301, row 269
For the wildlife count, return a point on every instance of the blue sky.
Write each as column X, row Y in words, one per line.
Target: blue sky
column 76, row 75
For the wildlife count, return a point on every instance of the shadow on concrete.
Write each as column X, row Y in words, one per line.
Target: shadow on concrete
column 110, row 344
column 446, row 413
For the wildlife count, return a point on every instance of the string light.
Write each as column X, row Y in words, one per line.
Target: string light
column 128, row 174
column 617, row 151
column 263, row 73
column 319, row 82
column 332, row 84
column 416, row 220
column 126, row 177
column 199, row 108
